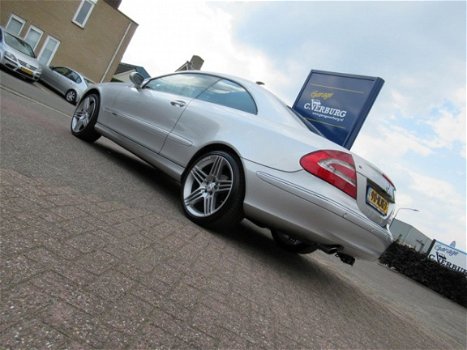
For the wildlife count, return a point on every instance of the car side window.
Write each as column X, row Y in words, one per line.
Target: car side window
column 60, row 70
column 188, row 85
column 73, row 76
column 68, row 73
column 230, row 94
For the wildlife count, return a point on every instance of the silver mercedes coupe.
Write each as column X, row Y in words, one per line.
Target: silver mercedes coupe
column 240, row 152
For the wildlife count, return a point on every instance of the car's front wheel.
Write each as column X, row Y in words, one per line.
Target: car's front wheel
column 213, row 190
column 85, row 117
column 71, row 96
column 292, row 244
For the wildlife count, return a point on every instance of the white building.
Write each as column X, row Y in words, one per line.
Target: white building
column 408, row 235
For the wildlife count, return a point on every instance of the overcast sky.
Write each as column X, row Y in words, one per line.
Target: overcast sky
column 416, row 130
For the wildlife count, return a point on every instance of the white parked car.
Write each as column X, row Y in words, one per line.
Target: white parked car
column 239, row 152
column 18, row 56
column 66, row 81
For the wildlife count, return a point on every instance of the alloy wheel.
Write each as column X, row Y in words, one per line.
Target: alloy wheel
column 70, row 96
column 83, row 114
column 208, row 185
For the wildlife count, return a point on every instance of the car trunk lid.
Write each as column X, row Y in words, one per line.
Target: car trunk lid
column 375, row 192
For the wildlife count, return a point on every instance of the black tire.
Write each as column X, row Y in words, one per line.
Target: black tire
column 71, row 96
column 213, row 189
column 85, row 117
column 292, row 244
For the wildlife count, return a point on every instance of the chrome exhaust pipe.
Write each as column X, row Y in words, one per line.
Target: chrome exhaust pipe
column 330, row 249
column 337, row 250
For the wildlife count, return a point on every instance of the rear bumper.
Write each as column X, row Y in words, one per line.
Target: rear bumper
column 316, row 212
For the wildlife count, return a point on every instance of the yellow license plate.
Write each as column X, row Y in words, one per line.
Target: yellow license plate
column 26, row 70
column 377, row 201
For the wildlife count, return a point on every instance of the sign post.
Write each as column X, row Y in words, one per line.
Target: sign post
column 337, row 104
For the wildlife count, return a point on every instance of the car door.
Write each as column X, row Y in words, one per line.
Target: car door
column 58, row 78
column 147, row 115
column 222, row 110
column 73, row 81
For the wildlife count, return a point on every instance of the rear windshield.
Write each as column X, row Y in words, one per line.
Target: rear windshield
column 19, row 45
column 88, row 82
column 306, row 121
column 294, row 114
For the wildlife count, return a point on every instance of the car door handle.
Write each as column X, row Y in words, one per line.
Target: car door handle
column 178, row 103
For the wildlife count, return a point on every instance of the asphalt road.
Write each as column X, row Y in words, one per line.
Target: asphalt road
column 96, row 253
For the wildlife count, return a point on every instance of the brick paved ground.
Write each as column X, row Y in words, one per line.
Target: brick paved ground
column 80, row 272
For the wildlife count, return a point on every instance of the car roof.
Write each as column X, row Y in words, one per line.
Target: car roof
column 237, row 79
column 255, row 89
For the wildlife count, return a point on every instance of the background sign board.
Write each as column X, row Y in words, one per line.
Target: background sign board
column 337, row 104
column 448, row 256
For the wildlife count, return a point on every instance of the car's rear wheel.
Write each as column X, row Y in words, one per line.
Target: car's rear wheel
column 71, row 96
column 292, row 244
column 213, row 190
column 85, row 117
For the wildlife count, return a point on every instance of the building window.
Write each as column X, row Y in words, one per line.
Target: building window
column 15, row 25
column 48, row 50
column 33, row 36
column 83, row 12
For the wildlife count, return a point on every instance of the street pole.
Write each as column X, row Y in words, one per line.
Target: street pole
column 397, row 211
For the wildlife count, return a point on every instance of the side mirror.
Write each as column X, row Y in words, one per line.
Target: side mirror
column 137, row 79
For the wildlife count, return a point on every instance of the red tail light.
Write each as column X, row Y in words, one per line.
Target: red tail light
column 334, row 167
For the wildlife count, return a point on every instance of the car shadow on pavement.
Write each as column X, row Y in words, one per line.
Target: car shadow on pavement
column 257, row 243
column 254, row 242
column 138, row 167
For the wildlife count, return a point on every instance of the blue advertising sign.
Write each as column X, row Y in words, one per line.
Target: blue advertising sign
column 448, row 256
column 337, row 104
